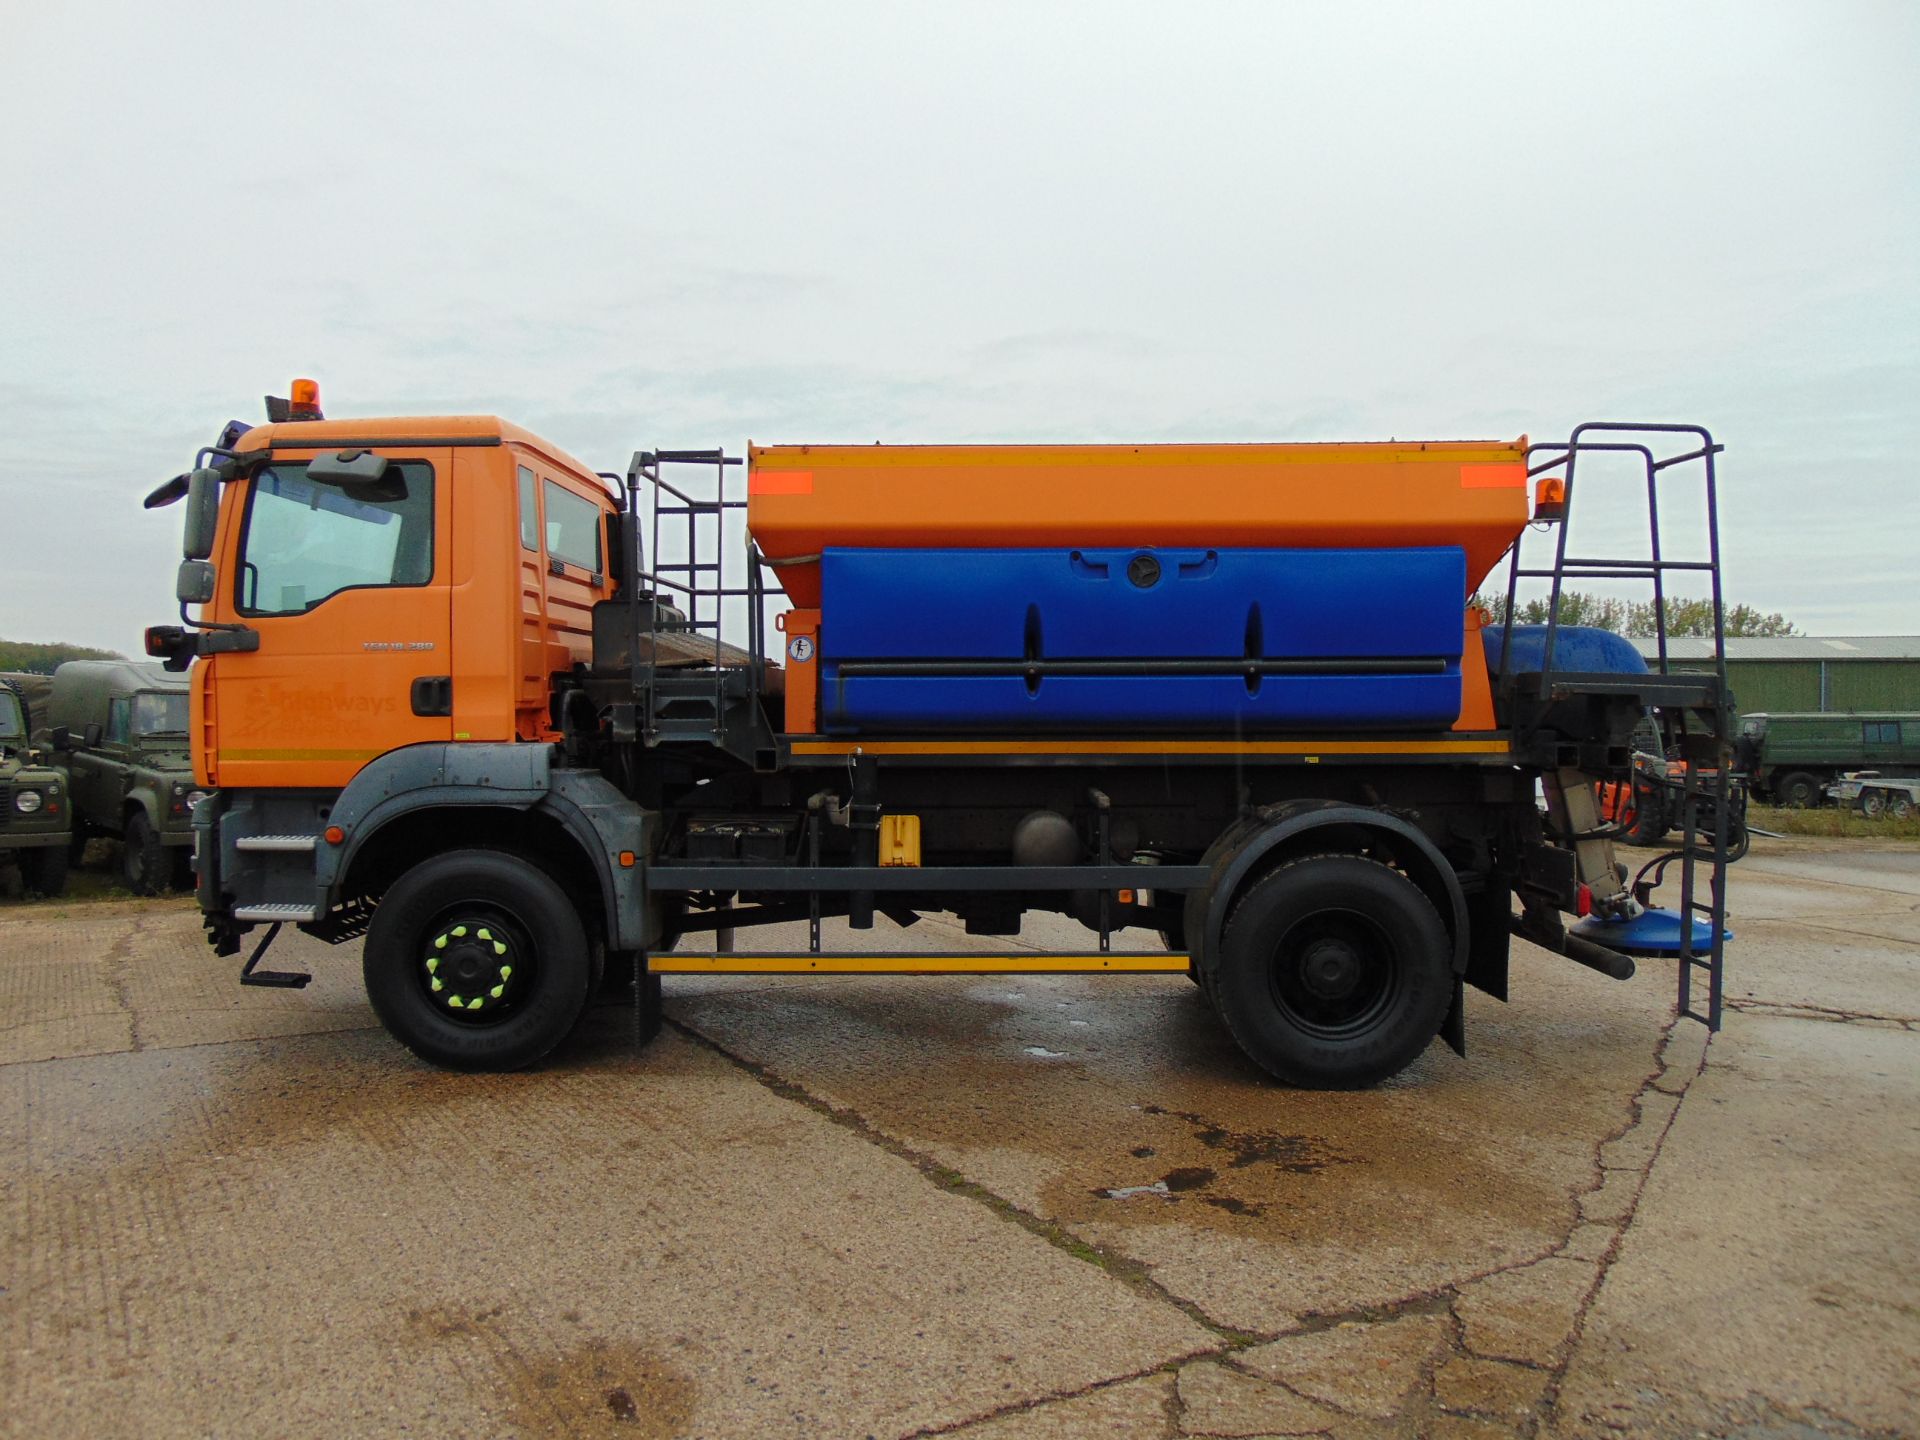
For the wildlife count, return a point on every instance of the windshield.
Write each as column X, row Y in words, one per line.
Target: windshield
column 157, row 714
column 12, row 726
column 305, row 541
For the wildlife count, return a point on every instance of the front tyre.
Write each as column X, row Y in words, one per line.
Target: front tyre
column 476, row 960
column 44, row 871
column 143, row 859
column 1334, row 972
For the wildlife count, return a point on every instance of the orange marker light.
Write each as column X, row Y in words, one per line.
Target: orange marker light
column 335, row 834
column 303, row 401
column 628, row 859
column 1550, row 498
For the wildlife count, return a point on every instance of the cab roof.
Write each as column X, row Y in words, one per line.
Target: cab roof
column 424, row 430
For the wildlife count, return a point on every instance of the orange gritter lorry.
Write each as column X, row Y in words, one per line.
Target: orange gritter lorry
column 528, row 730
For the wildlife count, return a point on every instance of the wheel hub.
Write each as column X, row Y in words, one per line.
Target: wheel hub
column 1330, row 969
column 470, row 966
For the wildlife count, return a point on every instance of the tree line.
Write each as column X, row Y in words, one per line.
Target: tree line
column 31, row 658
column 1636, row 617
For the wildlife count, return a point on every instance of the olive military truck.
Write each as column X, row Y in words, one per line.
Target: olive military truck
column 35, row 813
column 1794, row 757
column 123, row 728
column 457, row 694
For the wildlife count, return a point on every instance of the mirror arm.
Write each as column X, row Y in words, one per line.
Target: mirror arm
column 216, row 625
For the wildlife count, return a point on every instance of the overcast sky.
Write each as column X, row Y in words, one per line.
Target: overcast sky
column 636, row 225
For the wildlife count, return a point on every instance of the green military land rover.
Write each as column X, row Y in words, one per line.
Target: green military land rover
column 124, row 726
column 36, row 815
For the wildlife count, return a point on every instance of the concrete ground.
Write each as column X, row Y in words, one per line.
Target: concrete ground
column 1008, row 1207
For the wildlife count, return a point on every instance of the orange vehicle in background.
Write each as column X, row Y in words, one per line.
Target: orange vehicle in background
column 462, row 696
column 1649, row 806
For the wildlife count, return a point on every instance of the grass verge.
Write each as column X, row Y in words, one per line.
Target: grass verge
column 1831, row 820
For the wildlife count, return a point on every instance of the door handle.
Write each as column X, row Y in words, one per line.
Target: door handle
column 433, row 696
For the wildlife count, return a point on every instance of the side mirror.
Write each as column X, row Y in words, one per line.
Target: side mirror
column 60, row 738
column 194, row 585
column 90, row 737
column 203, row 513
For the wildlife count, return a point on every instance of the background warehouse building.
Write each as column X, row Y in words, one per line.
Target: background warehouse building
column 1797, row 673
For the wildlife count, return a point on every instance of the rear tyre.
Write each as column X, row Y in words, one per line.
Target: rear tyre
column 1645, row 822
column 1334, row 972
column 143, row 859
column 1902, row 807
column 44, row 872
column 476, row 960
column 1797, row 790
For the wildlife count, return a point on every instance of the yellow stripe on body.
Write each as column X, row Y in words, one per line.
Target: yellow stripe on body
column 1304, row 748
column 680, row 963
column 230, row 754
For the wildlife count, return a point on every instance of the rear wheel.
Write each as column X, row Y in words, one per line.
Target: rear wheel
column 1645, row 821
column 1797, row 790
column 1902, row 807
column 1334, row 972
column 476, row 960
column 143, row 859
column 1873, row 803
column 44, row 871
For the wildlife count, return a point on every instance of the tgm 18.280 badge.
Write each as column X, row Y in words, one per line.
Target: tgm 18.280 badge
column 800, row 649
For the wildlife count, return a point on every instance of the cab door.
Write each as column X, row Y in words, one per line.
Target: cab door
column 95, row 772
column 349, row 588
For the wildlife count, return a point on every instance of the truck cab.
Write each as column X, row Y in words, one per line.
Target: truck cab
column 427, row 597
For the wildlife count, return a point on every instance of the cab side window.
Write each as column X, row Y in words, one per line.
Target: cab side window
column 573, row 528
column 1881, row 732
column 119, row 721
column 529, row 511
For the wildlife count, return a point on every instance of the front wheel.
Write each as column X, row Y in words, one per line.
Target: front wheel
column 44, row 871
column 1873, row 804
column 476, row 960
column 143, row 859
column 1334, row 972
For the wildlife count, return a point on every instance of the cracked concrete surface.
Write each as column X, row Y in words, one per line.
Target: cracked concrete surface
column 1013, row 1207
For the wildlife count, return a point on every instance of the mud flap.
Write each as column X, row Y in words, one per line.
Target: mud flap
column 1488, row 930
column 647, row 1014
column 1453, row 1029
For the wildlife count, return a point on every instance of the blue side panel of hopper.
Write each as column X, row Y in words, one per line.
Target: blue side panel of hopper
column 1374, row 606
